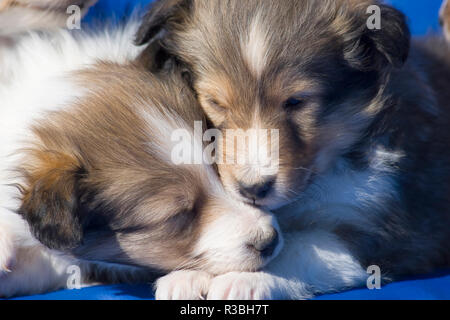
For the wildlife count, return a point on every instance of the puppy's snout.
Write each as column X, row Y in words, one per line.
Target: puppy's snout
column 267, row 244
column 257, row 191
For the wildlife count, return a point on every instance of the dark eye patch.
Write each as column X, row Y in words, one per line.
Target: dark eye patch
column 294, row 103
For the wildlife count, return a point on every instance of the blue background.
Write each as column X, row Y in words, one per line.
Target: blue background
column 423, row 14
column 423, row 19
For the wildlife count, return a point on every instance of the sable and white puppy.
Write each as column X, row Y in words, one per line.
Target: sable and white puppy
column 364, row 148
column 85, row 158
column 21, row 15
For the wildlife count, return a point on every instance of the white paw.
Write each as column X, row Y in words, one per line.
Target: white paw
column 241, row 286
column 183, row 285
column 7, row 251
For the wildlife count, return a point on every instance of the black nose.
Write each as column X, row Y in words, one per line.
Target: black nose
column 267, row 245
column 257, row 191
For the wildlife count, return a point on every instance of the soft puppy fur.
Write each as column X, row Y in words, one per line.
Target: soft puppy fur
column 85, row 159
column 363, row 116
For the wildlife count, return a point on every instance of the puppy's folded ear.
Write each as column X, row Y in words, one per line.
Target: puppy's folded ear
column 50, row 199
column 378, row 44
column 155, row 58
column 156, row 19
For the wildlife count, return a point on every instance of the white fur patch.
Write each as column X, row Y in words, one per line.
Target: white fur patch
column 343, row 193
column 183, row 285
column 311, row 262
column 255, row 46
column 162, row 127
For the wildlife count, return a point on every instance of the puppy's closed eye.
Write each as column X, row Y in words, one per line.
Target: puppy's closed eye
column 294, row 103
column 216, row 105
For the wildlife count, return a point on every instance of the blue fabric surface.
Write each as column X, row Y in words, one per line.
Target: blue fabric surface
column 112, row 292
column 423, row 18
column 428, row 288
column 432, row 287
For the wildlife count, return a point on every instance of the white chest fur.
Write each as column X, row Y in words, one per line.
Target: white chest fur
column 344, row 194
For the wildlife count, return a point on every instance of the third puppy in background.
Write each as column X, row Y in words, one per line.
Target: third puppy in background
column 444, row 18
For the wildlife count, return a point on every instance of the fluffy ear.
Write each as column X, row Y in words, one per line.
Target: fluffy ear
column 50, row 199
column 155, row 20
column 155, row 58
column 374, row 49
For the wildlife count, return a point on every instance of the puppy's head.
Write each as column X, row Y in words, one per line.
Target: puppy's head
column 101, row 182
column 313, row 70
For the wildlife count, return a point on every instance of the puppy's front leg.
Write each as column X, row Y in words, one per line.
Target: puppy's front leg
column 183, row 285
column 36, row 270
column 312, row 263
column 7, row 250
column 26, row 266
column 13, row 231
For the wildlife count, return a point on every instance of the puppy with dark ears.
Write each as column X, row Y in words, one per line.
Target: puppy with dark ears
column 362, row 116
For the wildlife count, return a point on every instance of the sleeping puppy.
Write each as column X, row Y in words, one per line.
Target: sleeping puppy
column 87, row 177
column 21, row 15
column 364, row 157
